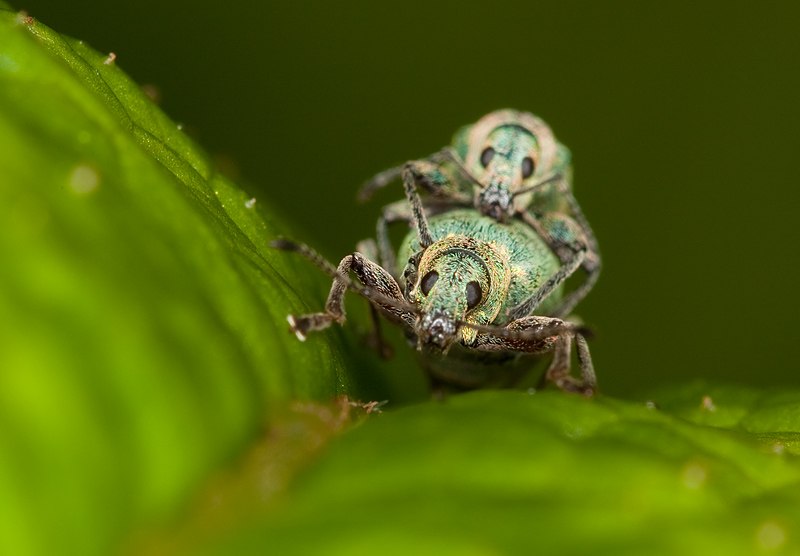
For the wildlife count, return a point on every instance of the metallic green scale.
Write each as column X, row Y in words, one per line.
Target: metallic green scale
column 523, row 136
column 523, row 262
column 482, row 289
column 509, row 166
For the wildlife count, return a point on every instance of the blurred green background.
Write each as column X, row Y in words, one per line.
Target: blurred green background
column 682, row 119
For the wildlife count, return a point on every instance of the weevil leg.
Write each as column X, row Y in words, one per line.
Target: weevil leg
column 375, row 340
column 428, row 175
column 593, row 263
column 370, row 250
column 400, row 211
column 577, row 214
column 585, row 361
column 569, row 302
column 368, row 273
column 567, row 239
column 417, row 210
column 531, row 334
column 536, row 334
column 395, row 212
column 529, row 305
column 378, row 181
column 558, row 372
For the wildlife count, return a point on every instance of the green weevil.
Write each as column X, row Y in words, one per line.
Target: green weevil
column 507, row 164
column 467, row 301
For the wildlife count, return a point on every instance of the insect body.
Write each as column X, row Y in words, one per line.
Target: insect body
column 470, row 286
column 508, row 164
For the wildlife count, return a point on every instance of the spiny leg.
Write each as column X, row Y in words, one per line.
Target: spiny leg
column 558, row 372
column 537, row 334
column 376, row 340
column 585, row 362
column 593, row 264
column 395, row 212
column 567, row 240
column 577, row 214
column 417, row 210
column 427, row 175
column 569, row 302
column 529, row 305
column 400, row 211
column 378, row 181
column 370, row 250
column 531, row 334
column 381, row 289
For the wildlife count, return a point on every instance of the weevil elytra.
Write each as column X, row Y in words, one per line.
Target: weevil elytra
column 508, row 164
column 469, row 291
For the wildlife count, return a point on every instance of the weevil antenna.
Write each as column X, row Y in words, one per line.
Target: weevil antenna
column 450, row 155
column 538, row 185
column 284, row 244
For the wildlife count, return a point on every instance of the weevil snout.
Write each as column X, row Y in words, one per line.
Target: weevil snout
column 494, row 202
column 436, row 329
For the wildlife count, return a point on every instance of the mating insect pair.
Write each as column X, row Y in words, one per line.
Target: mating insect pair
column 475, row 277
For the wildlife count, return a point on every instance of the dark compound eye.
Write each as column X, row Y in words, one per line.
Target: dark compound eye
column 428, row 281
column 474, row 294
column 527, row 167
column 486, row 156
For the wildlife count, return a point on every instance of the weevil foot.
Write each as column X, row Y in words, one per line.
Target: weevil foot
column 295, row 326
column 304, row 324
column 574, row 386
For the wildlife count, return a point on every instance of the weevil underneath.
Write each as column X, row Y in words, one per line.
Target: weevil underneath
column 467, row 301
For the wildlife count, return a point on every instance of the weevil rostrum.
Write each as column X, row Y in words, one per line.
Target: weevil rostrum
column 466, row 298
column 508, row 164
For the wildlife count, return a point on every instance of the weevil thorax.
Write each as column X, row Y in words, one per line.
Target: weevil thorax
column 508, row 151
column 459, row 278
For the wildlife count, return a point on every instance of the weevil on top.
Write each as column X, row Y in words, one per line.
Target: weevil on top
column 475, row 277
column 506, row 165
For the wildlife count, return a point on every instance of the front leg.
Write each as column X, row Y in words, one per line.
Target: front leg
column 428, row 175
column 370, row 274
column 417, row 210
column 536, row 334
column 400, row 211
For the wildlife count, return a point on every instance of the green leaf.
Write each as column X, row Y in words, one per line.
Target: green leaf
column 549, row 473
column 142, row 315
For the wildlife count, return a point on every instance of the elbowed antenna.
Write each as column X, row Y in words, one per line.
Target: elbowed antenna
column 538, row 185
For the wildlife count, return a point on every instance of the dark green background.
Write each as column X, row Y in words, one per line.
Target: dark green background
column 682, row 119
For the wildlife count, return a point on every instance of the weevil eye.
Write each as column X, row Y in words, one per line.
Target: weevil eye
column 474, row 294
column 428, row 281
column 527, row 167
column 486, row 156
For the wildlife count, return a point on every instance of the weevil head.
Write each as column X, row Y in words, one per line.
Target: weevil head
column 508, row 151
column 459, row 280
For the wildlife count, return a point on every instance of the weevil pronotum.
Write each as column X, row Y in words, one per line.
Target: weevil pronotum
column 469, row 291
column 508, row 164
